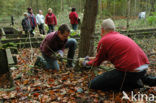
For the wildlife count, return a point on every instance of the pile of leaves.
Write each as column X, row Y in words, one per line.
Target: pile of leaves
column 37, row 85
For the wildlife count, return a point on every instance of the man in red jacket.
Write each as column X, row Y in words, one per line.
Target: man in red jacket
column 50, row 20
column 128, row 58
column 73, row 16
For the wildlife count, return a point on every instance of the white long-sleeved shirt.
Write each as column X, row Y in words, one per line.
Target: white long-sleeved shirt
column 40, row 19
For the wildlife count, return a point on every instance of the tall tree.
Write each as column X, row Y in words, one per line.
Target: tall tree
column 153, row 5
column 88, row 28
column 37, row 6
column 128, row 12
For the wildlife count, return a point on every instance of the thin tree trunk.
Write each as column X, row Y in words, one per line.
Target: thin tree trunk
column 88, row 28
column 128, row 12
column 152, row 6
column 62, row 5
column 108, row 4
column 80, row 6
column 37, row 6
column 31, row 3
column 47, row 4
column 114, row 8
column 135, row 8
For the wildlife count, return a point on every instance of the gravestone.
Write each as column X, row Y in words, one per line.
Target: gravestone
column 5, row 76
column 3, row 62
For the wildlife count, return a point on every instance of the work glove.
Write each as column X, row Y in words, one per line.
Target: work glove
column 83, row 61
column 59, row 54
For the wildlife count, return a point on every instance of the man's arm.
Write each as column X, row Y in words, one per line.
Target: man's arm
column 37, row 19
column 46, row 19
column 100, row 56
column 55, row 20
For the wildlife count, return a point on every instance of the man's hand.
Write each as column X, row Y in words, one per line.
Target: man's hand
column 83, row 61
column 59, row 54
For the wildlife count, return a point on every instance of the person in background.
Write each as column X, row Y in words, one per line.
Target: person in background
column 50, row 20
column 53, row 45
column 12, row 20
column 40, row 21
column 129, row 59
column 32, row 19
column 142, row 15
column 26, row 24
column 73, row 16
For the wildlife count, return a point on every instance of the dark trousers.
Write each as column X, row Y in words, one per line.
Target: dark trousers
column 41, row 29
column 51, row 28
column 118, row 80
column 31, row 31
column 26, row 32
column 74, row 26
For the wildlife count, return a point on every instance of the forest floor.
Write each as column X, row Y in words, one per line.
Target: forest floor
column 37, row 85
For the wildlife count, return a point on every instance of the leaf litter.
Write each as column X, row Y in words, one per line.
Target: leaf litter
column 37, row 85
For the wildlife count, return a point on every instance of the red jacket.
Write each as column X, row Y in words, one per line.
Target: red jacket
column 122, row 51
column 73, row 16
column 50, row 19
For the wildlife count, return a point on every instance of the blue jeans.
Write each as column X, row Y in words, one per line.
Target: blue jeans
column 52, row 63
column 74, row 26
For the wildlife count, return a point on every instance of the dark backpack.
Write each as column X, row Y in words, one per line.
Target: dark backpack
column 78, row 20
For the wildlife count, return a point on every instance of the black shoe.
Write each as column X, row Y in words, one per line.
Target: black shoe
column 149, row 80
column 39, row 62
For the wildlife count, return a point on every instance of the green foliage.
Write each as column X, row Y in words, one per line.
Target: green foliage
column 8, row 45
column 105, row 12
column 12, row 7
column 152, row 19
column 75, row 33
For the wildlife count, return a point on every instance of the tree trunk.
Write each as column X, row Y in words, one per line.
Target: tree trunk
column 47, row 4
column 62, row 3
column 37, row 6
column 88, row 29
column 31, row 3
column 108, row 4
column 80, row 7
column 128, row 12
column 152, row 6
column 135, row 10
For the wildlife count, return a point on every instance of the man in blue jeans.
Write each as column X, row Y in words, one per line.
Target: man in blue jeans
column 54, row 44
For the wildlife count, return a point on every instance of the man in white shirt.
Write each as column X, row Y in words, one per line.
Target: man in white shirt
column 142, row 15
column 40, row 22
